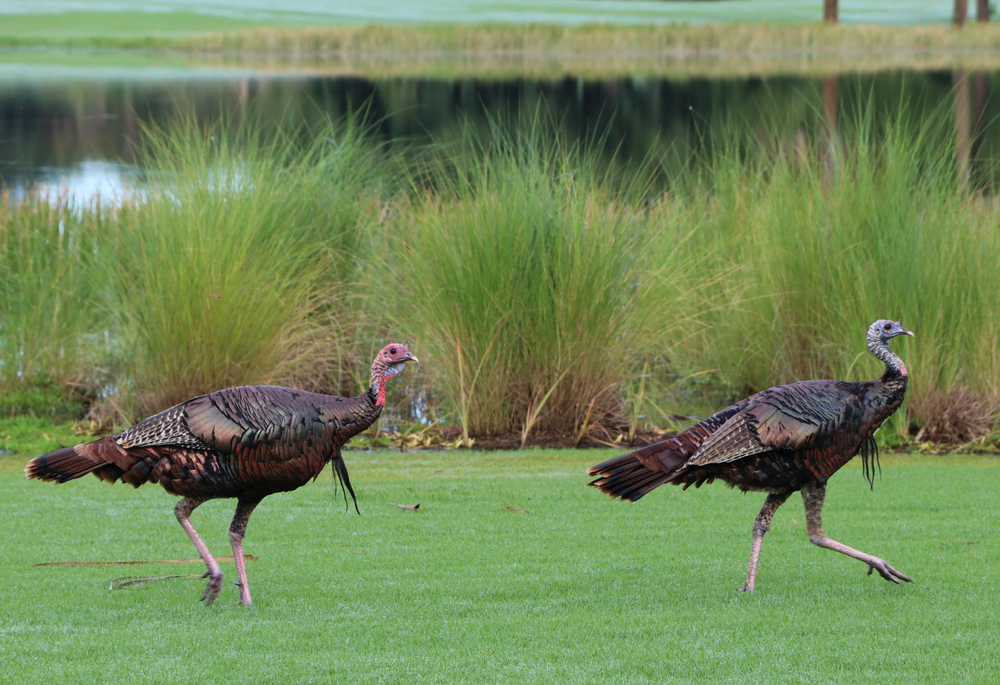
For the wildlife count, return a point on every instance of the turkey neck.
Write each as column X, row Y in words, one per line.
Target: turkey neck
column 891, row 387
column 351, row 416
column 369, row 404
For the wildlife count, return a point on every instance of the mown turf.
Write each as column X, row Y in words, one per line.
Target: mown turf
column 582, row 589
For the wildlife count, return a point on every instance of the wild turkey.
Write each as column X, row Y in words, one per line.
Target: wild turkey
column 787, row 438
column 246, row 442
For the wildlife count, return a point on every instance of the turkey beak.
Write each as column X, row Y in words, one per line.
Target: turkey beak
column 411, row 358
column 903, row 331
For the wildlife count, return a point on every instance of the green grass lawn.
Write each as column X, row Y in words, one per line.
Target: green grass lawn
column 582, row 589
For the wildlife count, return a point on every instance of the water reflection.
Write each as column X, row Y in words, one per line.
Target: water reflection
column 81, row 184
column 82, row 131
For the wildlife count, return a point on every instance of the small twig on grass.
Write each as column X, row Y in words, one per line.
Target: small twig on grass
column 195, row 560
column 124, row 581
column 508, row 507
column 408, row 507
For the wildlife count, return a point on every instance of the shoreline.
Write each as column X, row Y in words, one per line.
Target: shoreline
column 536, row 50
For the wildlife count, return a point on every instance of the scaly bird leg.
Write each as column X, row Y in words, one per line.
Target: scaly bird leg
column 237, row 529
column 761, row 525
column 183, row 513
column 813, row 496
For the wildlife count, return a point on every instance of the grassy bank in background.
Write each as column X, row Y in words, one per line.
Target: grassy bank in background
column 599, row 40
column 677, row 64
column 542, row 288
column 505, row 50
column 499, row 66
column 581, row 589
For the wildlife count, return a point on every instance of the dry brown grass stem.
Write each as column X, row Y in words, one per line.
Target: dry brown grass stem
column 956, row 417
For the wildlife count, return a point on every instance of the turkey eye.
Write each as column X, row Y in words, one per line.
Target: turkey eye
column 887, row 327
column 392, row 350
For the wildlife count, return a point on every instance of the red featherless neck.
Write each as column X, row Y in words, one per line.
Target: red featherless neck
column 380, row 372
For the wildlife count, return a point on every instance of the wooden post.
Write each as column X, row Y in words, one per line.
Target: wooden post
column 830, row 11
column 982, row 10
column 961, row 14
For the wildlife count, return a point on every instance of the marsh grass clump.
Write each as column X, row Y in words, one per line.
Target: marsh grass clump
column 236, row 266
column 821, row 247
column 50, row 321
column 524, row 271
column 545, row 290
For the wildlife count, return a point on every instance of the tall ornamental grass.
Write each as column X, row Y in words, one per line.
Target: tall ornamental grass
column 818, row 248
column 51, row 327
column 524, row 272
column 236, row 266
column 542, row 290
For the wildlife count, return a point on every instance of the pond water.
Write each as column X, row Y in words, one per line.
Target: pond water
column 77, row 129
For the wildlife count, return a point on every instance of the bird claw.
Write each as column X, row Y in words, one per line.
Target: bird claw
column 887, row 572
column 212, row 589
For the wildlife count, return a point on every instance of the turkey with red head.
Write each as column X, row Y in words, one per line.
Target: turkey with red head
column 246, row 442
column 787, row 438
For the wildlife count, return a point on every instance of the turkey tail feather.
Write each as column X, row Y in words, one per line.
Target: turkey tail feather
column 632, row 475
column 62, row 465
column 626, row 477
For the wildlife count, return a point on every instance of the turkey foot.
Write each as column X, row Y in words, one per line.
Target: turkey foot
column 888, row 572
column 214, row 573
column 813, row 496
column 761, row 525
column 213, row 587
column 237, row 529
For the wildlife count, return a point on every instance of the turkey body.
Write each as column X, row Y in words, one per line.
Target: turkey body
column 246, row 442
column 249, row 441
column 785, row 439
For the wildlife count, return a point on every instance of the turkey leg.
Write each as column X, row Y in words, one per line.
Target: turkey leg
column 237, row 529
column 183, row 513
column 813, row 496
column 761, row 525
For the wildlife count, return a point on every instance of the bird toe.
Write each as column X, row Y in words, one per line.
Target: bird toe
column 212, row 589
